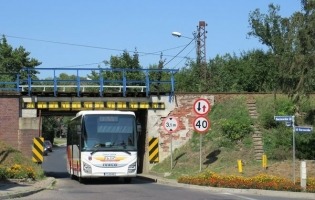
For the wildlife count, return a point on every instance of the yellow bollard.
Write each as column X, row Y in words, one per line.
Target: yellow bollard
column 264, row 161
column 240, row 166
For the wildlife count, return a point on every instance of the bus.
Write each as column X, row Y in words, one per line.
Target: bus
column 102, row 144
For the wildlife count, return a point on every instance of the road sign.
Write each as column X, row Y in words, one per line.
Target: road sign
column 303, row 129
column 170, row 124
column 201, row 124
column 283, row 118
column 202, row 106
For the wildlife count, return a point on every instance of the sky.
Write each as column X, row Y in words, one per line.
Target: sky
column 79, row 33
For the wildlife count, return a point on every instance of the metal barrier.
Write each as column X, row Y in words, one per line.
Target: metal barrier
column 56, row 80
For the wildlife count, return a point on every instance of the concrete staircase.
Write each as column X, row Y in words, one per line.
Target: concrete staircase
column 257, row 134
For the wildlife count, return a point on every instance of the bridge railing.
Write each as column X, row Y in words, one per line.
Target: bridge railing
column 104, row 80
column 9, row 82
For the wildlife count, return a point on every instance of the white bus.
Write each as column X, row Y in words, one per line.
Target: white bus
column 102, row 144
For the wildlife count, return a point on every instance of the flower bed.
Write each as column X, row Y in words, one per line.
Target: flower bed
column 261, row 181
column 17, row 171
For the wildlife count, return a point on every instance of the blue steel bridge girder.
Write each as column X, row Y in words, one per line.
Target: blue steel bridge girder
column 29, row 81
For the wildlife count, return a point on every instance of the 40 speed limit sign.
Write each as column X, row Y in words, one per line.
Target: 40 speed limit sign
column 201, row 124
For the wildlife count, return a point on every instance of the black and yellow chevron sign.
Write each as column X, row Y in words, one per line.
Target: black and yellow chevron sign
column 154, row 150
column 38, row 149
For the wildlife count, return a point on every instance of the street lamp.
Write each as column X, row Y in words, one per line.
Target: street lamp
column 178, row 34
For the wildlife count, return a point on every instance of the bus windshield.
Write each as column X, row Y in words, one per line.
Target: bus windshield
column 108, row 132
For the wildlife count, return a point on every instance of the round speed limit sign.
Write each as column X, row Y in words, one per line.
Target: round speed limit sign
column 201, row 124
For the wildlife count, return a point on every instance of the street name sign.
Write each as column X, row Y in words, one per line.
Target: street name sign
column 303, row 129
column 283, row 118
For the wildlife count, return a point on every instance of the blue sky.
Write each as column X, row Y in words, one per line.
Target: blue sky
column 92, row 31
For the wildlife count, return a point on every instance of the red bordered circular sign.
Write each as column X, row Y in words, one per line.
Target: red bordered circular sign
column 202, row 106
column 201, row 124
column 170, row 124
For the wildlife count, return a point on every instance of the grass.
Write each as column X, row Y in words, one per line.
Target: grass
column 58, row 141
column 14, row 165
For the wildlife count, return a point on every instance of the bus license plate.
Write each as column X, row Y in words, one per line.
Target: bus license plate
column 109, row 174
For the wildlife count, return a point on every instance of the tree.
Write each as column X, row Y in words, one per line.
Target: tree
column 125, row 61
column 292, row 42
column 13, row 60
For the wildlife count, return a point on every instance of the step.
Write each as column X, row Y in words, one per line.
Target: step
column 257, row 141
column 256, row 135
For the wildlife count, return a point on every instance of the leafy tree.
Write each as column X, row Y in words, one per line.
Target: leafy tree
column 255, row 71
column 124, row 61
column 49, row 127
column 13, row 60
column 292, row 42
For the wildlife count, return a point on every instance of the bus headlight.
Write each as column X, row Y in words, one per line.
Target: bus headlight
column 87, row 168
column 132, row 168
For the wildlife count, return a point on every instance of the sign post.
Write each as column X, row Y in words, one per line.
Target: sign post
column 170, row 124
column 201, row 124
column 289, row 120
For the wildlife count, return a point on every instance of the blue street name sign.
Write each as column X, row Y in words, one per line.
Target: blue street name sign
column 283, row 118
column 303, row 129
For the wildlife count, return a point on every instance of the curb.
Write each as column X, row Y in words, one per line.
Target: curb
column 37, row 187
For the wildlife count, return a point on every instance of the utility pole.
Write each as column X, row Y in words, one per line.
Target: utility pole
column 201, row 50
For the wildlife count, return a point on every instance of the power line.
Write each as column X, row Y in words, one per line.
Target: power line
column 186, row 57
column 179, row 52
column 157, row 53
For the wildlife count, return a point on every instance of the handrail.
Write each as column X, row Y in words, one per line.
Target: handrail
column 135, row 79
column 7, row 83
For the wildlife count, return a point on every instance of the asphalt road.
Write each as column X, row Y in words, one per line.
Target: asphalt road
column 66, row 189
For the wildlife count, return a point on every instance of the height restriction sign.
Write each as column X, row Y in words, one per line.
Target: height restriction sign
column 202, row 106
column 170, row 124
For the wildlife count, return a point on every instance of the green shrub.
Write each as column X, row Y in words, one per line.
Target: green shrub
column 231, row 118
column 235, row 129
column 284, row 106
column 267, row 120
column 278, row 143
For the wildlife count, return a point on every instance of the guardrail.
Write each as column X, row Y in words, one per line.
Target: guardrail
column 104, row 80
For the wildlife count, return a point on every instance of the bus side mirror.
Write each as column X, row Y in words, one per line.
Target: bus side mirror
column 78, row 129
column 139, row 128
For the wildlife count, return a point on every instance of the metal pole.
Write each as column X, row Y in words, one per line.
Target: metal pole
column 200, row 137
column 40, row 124
column 171, row 151
column 293, row 138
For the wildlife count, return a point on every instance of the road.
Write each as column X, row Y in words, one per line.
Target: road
column 66, row 189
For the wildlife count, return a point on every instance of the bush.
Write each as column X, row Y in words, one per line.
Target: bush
column 18, row 171
column 235, row 129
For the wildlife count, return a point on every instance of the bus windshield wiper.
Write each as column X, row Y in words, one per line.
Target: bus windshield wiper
column 126, row 151
column 97, row 147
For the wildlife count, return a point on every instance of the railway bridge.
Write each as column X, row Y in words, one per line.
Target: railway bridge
column 31, row 94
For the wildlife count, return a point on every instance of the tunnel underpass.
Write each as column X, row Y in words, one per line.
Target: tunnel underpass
column 60, row 129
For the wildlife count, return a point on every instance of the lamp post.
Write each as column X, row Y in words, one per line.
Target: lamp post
column 178, row 34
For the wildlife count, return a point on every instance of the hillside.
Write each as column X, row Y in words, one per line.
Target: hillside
column 220, row 155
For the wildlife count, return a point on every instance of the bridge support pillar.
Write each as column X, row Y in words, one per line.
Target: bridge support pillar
column 28, row 129
column 17, row 129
